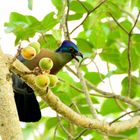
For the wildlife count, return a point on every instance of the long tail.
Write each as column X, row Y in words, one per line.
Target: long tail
column 26, row 102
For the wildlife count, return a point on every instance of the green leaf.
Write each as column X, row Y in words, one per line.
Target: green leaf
column 57, row 34
column 112, row 7
column 84, row 109
column 109, row 106
column 58, row 5
column 78, row 8
column 127, row 25
column 80, row 99
column 135, row 87
column 124, row 60
column 30, row 4
column 26, row 26
column 64, row 91
column 94, row 77
column 135, row 3
column 49, row 22
column 75, row 16
column 18, row 21
column 84, row 45
column 111, row 54
column 97, row 36
column 51, row 122
column 94, row 20
column 113, row 37
column 22, row 26
column 136, row 43
column 48, row 41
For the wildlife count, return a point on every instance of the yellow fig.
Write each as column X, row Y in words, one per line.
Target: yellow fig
column 42, row 80
column 36, row 46
column 45, row 64
column 53, row 80
column 28, row 53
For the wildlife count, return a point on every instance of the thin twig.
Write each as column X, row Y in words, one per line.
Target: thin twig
column 44, row 38
column 91, row 11
column 119, row 24
column 108, row 94
column 89, row 101
column 74, row 104
column 100, row 95
column 80, row 23
column 83, row 6
column 71, row 85
column 110, row 84
column 113, row 95
column 63, row 128
column 66, row 20
column 55, row 131
column 80, row 134
column 100, row 76
column 129, row 55
column 135, row 23
column 119, row 105
column 87, row 14
column 123, row 116
column 129, row 65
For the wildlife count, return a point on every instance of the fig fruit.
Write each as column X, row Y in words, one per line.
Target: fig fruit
column 28, row 53
column 45, row 64
column 53, row 80
column 42, row 80
column 36, row 46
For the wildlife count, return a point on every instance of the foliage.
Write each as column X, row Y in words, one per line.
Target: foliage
column 107, row 34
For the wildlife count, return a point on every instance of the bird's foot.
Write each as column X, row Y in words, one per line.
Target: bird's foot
column 35, row 71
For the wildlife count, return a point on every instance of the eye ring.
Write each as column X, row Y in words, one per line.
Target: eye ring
column 71, row 49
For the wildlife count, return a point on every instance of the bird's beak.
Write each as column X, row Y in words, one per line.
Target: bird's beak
column 77, row 54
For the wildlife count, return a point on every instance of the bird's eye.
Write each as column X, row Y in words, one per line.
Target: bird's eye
column 71, row 49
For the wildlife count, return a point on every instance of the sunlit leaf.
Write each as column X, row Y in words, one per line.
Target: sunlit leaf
column 109, row 106
column 94, row 77
column 48, row 41
column 135, row 87
column 84, row 45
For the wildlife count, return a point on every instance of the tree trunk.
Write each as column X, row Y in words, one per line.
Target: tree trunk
column 9, row 123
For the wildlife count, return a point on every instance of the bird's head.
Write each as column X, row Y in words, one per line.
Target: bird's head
column 70, row 48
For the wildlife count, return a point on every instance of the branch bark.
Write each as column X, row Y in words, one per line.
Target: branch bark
column 77, row 119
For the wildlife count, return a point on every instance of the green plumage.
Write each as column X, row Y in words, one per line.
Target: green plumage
column 59, row 60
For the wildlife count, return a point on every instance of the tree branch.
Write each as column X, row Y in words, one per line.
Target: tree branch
column 124, row 115
column 108, row 94
column 77, row 119
column 87, row 14
column 129, row 55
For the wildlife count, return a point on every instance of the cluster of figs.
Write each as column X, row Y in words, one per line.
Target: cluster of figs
column 43, row 79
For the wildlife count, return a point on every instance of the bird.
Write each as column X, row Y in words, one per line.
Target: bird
column 27, row 105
